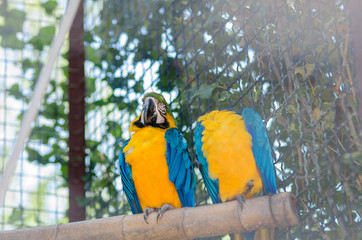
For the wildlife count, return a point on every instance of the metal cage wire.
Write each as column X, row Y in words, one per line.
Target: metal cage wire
column 37, row 196
column 290, row 60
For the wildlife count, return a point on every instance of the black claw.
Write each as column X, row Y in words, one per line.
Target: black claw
column 241, row 197
column 147, row 212
column 241, row 201
column 250, row 185
column 158, row 217
column 162, row 210
column 145, row 218
column 159, row 213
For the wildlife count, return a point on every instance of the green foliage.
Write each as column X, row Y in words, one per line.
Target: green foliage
column 204, row 91
column 21, row 217
column 13, row 24
column 282, row 58
column 16, row 215
column 50, row 6
column 50, row 131
column 43, row 38
column 14, row 90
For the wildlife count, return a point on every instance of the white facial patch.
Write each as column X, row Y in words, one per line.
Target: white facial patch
column 160, row 119
column 161, row 108
column 161, row 112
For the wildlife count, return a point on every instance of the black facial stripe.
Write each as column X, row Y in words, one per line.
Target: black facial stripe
column 139, row 123
column 163, row 125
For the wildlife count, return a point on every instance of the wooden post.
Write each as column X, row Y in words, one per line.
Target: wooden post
column 185, row 223
column 76, row 142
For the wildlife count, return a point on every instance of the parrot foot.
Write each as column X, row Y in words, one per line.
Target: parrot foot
column 241, row 197
column 241, row 200
column 162, row 210
column 249, row 185
column 147, row 212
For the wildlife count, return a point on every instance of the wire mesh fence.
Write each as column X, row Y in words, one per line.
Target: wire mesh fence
column 290, row 60
column 38, row 194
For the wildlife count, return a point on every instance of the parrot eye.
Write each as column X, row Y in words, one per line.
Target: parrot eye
column 161, row 108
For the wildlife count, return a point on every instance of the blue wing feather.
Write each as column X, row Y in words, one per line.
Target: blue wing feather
column 181, row 171
column 211, row 185
column 127, row 182
column 261, row 149
column 262, row 154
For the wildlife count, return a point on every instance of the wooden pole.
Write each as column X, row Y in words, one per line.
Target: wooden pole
column 76, row 141
column 185, row 223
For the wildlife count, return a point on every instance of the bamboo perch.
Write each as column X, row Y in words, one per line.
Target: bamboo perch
column 185, row 223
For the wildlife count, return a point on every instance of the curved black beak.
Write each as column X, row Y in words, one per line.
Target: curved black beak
column 149, row 112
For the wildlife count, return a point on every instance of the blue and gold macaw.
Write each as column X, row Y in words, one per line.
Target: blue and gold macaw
column 156, row 170
column 235, row 156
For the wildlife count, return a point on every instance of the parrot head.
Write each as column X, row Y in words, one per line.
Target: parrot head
column 155, row 112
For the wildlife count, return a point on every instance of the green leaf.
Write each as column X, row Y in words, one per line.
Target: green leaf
column 205, row 90
column 326, row 106
column 64, row 171
column 114, row 128
column 326, row 95
column 88, row 36
column 54, row 111
column 12, row 41
column 14, row 20
column 27, row 64
column 292, row 109
column 93, row 55
column 118, row 82
column 44, row 133
column 138, row 87
column 50, row 6
column 33, row 155
column 224, row 96
column 307, row 69
column 316, row 113
column 47, row 34
column 15, row 91
column 81, row 201
column 354, row 156
column 16, row 214
column 44, row 37
column 37, row 43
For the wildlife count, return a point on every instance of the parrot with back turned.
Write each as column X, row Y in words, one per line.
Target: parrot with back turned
column 235, row 158
column 156, row 169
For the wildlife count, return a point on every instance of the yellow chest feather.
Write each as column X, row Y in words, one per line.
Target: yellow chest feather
column 227, row 148
column 146, row 153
